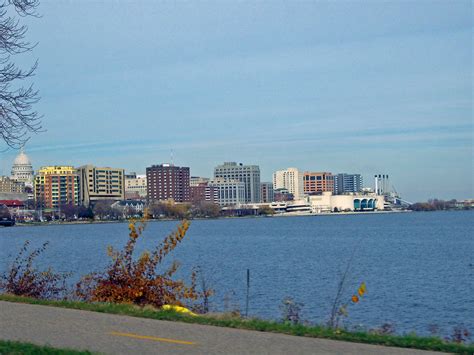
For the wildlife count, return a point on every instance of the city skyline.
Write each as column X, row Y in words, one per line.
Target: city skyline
column 379, row 88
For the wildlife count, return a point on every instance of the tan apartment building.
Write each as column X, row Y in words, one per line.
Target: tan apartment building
column 135, row 186
column 56, row 186
column 100, row 183
column 317, row 182
column 9, row 185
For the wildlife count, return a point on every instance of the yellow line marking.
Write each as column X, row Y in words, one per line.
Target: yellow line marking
column 138, row 336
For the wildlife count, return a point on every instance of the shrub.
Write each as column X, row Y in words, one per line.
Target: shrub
column 265, row 210
column 23, row 279
column 340, row 308
column 138, row 281
column 291, row 311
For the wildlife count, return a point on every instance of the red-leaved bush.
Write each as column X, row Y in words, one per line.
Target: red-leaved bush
column 23, row 279
column 138, row 281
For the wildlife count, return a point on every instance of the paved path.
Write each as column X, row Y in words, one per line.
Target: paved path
column 115, row 334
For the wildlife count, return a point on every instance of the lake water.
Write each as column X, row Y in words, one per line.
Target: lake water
column 418, row 267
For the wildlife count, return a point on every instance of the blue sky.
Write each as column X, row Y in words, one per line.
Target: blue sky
column 366, row 87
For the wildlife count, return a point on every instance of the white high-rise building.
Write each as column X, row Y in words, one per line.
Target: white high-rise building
column 290, row 179
column 248, row 174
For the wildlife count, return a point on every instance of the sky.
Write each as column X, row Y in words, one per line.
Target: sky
column 363, row 87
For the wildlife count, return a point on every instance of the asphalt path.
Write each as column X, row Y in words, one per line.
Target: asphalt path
column 116, row 334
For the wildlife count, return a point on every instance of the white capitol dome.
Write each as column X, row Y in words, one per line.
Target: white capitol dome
column 22, row 159
column 22, row 170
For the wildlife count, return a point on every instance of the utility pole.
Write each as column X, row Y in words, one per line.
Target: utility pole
column 248, row 292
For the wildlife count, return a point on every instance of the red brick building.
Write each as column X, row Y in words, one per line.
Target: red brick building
column 166, row 181
column 317, row 182
column 203, row 192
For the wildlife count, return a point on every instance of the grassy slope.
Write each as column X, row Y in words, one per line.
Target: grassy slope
column 16, row 347
column 405, row 341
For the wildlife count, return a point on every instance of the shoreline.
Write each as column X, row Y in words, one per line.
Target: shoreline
column 276, row 215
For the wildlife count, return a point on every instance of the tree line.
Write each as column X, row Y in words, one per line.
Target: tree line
column 439, row 205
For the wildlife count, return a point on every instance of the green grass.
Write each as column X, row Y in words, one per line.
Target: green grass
column 404, row 341
column 16, row 347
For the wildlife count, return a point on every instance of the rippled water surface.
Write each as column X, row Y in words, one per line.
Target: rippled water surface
column 418, row 267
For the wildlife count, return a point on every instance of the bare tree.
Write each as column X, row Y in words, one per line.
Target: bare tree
column 17, row 117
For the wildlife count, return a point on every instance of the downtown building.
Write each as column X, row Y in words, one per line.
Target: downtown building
column 229, row 192
column 290, row 179
column 347, row 183
column 202, row 191
column 168, row 182
column 315, row 183
column 56, row 186
column 100, row 183
column 266, row 192
column 11, row 186
column 249, row 175
column 135, row 187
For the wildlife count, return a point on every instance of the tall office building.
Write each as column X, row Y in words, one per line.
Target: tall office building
column 344, row 183
column 167, row 181
column 290, row 179
column 248, row 174
column 318, row 182
column 266, row 192
column 100, row 184
column 56, row 186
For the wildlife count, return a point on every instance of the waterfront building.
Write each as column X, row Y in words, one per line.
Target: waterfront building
column 100, row 183
column 11, row 186
column 266, row 192
column 290, row 179
column 135, row 186
column 347, row 183
column 248, row 174
column 22, row 170
column 229, row 192
column 167, row 181
column 318, row 182
column 56, row 186
column 202, row 192
column 327, row 202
